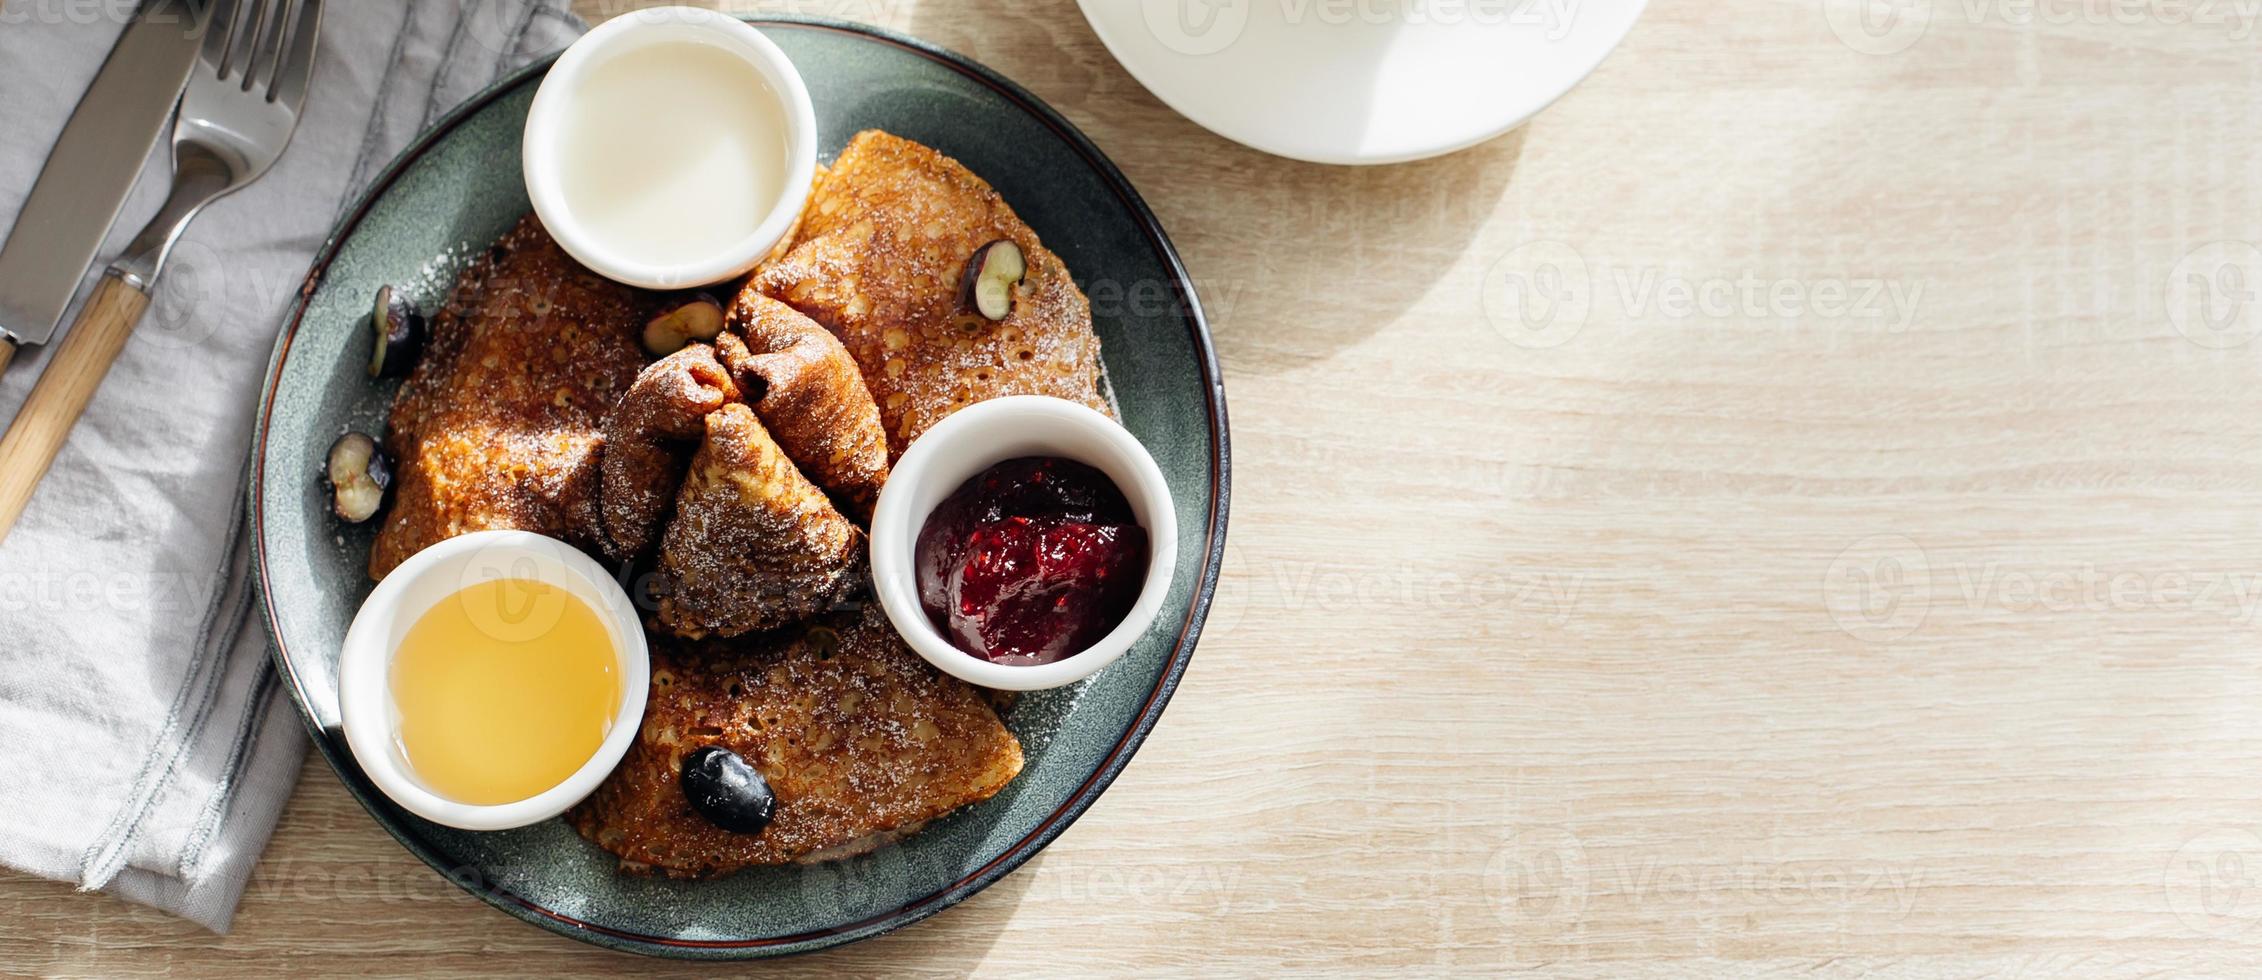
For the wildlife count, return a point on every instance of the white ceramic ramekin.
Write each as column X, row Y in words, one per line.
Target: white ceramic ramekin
column 432, row 576
column 974, row 439
column 545, row 127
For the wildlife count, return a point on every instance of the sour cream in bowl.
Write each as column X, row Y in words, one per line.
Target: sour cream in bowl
column 670, row 148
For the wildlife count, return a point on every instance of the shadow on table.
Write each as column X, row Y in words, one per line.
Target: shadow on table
column 1351, row 250
column 1293, row 261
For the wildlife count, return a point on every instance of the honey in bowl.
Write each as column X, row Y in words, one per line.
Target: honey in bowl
column 503, row 690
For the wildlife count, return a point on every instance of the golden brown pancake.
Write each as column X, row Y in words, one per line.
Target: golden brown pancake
column 753, row 544
column 878, row 259
column 499, row 425
column 860, row 740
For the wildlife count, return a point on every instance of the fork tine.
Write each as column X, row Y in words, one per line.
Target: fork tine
column 265, row 44
column 219, row 28
column 243, row 30
column 271, row 49
column 298, row 59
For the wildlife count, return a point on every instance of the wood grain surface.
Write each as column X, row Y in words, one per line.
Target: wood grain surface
column 1790, row 507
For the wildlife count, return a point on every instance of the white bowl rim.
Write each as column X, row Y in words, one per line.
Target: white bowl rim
column 949, row 454
column 651, row 26
column 366, row 713
column 1488, row 127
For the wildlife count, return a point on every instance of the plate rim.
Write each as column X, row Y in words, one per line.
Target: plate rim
column 1424, row 150
column 1010, row 858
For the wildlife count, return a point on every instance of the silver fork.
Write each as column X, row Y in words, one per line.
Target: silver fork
column 242, row 105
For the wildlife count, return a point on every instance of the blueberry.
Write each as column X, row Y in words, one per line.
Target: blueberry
column 397, row 334
column 727, row 791
column 358, row 475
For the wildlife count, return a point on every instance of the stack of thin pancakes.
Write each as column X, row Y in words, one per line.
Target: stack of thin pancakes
column 742, row 473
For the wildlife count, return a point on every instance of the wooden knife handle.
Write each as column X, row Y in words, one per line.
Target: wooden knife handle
column 63, row 390
column 7, row 352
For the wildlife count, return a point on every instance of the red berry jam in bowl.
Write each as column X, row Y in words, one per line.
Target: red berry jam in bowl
column 1024, row 543
column 1030, row 561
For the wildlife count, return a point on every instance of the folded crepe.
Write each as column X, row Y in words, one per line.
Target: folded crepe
column 649, row 438
column 878, row 260
column 810, row 394
column 499, row 426
column 753, row 544
column 861, row 742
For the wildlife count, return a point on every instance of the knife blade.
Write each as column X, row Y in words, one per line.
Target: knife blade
column 93, row 166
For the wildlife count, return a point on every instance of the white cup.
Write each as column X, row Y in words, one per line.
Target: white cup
column 544, row 152
column 435, row 575
column 974, row 439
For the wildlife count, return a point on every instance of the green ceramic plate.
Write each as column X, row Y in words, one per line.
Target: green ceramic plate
column 457, row 189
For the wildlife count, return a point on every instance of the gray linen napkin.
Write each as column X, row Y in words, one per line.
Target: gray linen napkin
column 144, row 746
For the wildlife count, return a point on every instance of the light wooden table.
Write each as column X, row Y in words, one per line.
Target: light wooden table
column 1727, row 614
